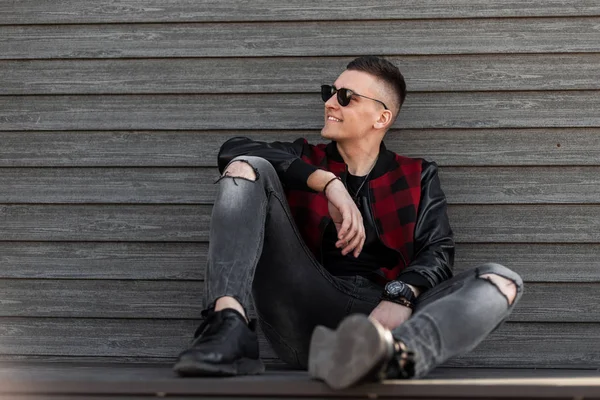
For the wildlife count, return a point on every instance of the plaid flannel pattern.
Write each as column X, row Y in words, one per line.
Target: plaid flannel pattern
column 395, row 204
column 395, row 198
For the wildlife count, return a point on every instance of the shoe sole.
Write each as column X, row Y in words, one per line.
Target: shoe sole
column 244, row 366
column 356, row 350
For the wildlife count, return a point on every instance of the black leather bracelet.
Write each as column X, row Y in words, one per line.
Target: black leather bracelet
column 327, row 184
column 400, row 300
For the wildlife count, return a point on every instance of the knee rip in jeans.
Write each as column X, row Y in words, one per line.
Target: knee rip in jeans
column 238, row 172
column 507, row 287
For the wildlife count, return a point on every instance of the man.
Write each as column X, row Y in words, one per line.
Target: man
column 345, row 232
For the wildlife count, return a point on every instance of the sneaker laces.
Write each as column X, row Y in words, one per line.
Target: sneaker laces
column 208, row 316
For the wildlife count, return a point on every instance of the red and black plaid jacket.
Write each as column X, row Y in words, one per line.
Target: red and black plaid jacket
column 406, row 201
column 394, row 198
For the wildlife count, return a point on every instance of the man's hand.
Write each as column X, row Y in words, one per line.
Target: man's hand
column 347, row 219
column 390, row 315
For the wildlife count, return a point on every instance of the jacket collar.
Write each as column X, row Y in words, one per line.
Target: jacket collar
column 385, row 161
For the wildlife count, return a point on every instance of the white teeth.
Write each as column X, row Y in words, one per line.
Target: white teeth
column 334, row 119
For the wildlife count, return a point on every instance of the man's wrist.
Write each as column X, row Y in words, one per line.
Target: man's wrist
column 399, row 292
column 318, row 179
column 400, row 301
column 416, row 291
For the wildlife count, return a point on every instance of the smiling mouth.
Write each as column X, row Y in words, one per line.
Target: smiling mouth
column 334, row 119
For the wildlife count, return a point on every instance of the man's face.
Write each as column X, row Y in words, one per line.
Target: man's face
column 356, row 120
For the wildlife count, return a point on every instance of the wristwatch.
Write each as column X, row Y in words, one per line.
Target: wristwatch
column 398, row 292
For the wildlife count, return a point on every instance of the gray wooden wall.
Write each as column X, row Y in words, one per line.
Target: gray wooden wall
column 111, row 113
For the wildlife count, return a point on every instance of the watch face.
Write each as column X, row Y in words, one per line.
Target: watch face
column 394, row 288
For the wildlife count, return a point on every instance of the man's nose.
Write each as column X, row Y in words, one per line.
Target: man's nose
column 332, row 102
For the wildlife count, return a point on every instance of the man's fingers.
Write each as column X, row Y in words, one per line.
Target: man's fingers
column 346, row 223
column 355, row 237
column 352, row 245
column 361, row 244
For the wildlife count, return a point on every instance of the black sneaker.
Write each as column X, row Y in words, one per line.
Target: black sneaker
column 359, row 350
column 224, row 345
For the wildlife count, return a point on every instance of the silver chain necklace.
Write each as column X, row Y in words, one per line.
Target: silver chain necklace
column 355, row 196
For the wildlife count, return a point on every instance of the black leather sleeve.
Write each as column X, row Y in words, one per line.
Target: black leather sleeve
column 433, row 239
column 284, row 156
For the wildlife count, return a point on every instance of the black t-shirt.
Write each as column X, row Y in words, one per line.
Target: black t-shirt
column 375, row 255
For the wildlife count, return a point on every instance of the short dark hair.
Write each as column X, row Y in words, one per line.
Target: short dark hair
column 384, row 70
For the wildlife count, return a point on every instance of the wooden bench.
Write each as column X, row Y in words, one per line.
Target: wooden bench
column 111, row 116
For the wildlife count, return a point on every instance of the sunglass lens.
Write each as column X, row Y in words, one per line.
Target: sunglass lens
column 326, row 92
column 343, row 96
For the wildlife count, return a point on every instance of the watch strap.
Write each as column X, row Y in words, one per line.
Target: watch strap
column 399, row 300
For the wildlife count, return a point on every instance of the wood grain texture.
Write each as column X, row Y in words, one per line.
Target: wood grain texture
column 295, row 74
column 448, row 147
column 175, row 223
column 187, row 261
column 80, row 260
column 526, row 223
column 291, row 111
column 104, row 223
column 72, row 11
column 462, row 185
column 519, row 185
column 396, row 37
column 101, row 299
column 579, row 302
column 108, row 185
column 535, row 262
column 573, row 344
column 533, row 344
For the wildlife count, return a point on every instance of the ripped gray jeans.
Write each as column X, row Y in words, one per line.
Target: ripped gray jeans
column 256, row 253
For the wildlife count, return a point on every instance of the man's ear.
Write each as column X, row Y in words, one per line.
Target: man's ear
column 384, row 121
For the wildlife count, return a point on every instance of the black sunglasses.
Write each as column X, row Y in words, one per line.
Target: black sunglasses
column 343, row 95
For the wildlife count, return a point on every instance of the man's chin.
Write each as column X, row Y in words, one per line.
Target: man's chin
column 327, row 134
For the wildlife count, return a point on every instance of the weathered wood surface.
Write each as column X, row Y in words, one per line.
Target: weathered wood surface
column 514, row 185
column 555, row 262
column 81, row 260
column 447, row 147
column 292, row 111
column 463, row 185
column 573, row 344
column 268, row 39
column 295, row 74
column 526, row 223
column 72, row 11
column 172, row 223
column 187, row 261
column 577, row 302
column 181, row 223
column 108, row 185
column 130, row 98
column 31, row 380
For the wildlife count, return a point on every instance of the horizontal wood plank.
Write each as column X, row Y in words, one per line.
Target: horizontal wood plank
column 104, row 223
column 521, row 185
column 108, row 185
column 536, row 345
column 579, row 302
column 526, row 223
column 448, row 147
column 173, row 223
column 525, row 344
column 395, row 37
column 474, row 185
column 295, row 74
column 72, row 11
column 187, row 261
column 80, row 260
column 292, row 111
column 535, row 262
